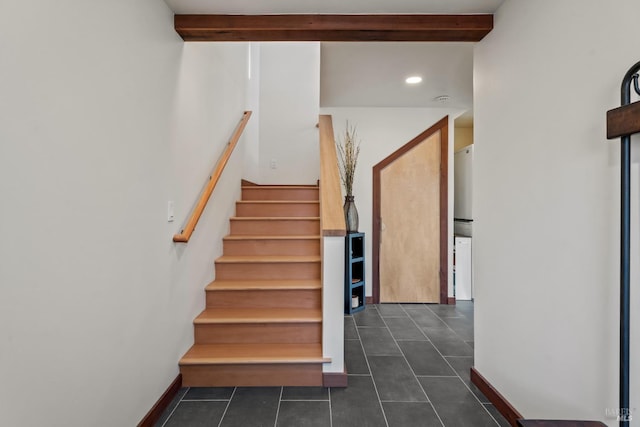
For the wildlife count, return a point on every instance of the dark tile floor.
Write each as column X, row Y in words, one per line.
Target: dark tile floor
column 408, row 366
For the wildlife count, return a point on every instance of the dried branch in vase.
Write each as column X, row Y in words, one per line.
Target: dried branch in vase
column 348, row 151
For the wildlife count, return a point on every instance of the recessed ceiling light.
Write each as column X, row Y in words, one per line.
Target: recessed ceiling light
column 413, row 80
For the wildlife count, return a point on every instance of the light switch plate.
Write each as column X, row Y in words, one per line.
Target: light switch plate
column 170, row 211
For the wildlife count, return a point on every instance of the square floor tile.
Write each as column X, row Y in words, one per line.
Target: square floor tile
column 462, row 365
column 304, row 414
column 197, row 414
column 395, row 380
column 452, row 346
column 356, row 405
column 444, row 311
column 462, row 327
column 391, row 310
column 350, row 332
column 426, row 319
column 440, row 333
column 414, row 306
column 368, row 317
column 410, row 414
column 502, row 421
column 209, row 393
column 378, row 341
column 305, row 393
column 446, row 389
column 403, row 328
column 354, row 358
column 172, row 405
column 252, row 406
column 476, row 391
column 469, row 413
column 425, row 359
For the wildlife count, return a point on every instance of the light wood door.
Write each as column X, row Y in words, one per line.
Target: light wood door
column 410, row 225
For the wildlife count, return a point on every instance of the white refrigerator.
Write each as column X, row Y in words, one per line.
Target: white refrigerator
column 463, row 223
column 462, row 273
column 463, row 191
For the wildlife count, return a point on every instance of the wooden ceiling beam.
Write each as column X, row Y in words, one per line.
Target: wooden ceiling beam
column 336, row 28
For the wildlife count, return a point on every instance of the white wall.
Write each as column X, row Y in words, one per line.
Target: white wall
column 333, row 303
column 289, row 103
column 252, row 131
column 105, row 115
column 382, row 131
column 546, row 206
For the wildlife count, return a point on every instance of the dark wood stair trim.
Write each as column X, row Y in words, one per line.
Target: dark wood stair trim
column 335, row 379
column 162, row 403
column 498, row 400
column 559, row 423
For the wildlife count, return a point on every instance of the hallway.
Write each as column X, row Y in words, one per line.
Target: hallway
column 408, row 366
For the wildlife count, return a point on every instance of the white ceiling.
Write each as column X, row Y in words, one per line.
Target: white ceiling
column 372, row 74
column 255, row 7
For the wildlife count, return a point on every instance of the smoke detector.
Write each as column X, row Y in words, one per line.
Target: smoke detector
column 442, row 98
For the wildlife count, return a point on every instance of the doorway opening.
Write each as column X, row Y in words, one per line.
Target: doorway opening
column 415, row 231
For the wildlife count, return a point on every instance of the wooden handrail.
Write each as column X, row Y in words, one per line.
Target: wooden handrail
column 185, row 234
column 331, row 211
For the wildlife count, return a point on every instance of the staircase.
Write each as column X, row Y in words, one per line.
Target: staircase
column 262, row 325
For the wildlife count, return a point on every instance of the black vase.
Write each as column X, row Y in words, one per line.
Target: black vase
column 350, row 214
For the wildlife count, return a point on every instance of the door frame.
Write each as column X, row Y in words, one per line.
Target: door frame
column 441, row 126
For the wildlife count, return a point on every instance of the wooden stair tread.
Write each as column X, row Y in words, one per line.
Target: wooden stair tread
column 268, row 237
column 253, row 187
column 213, row 354
column 278, row 202
column 239, row 285
column 239, row 259
column 262, row 325
column 275, row 218
column 258, row 315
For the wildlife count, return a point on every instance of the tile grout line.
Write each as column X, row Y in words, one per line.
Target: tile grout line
column 373, row 381
column 176, row 407
column 330, row 408
column 452, row 330
column 224, row 414
column 275, row 422
column 457, row 374
column 410, row 367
